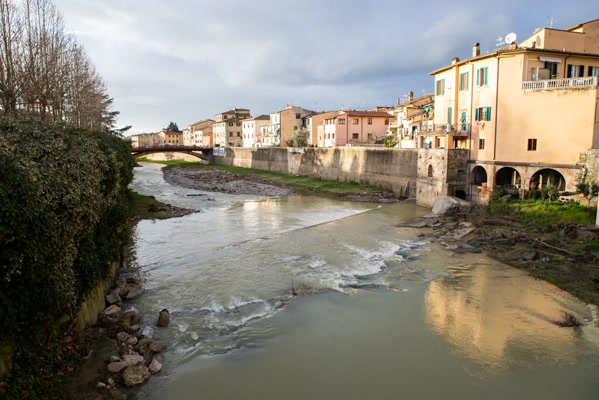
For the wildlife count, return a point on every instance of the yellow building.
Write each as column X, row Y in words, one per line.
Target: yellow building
column 526, row 112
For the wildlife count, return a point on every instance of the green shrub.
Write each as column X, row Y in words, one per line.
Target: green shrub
column 64, row 202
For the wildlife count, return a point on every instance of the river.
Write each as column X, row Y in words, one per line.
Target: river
column 392, row 315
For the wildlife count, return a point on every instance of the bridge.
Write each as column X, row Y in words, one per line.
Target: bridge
column 204, row 153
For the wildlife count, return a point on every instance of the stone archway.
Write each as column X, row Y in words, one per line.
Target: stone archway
column 478, row 176
column 507, row 177
column 547, row 177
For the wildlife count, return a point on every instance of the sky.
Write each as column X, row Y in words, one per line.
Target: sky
column 185, row 61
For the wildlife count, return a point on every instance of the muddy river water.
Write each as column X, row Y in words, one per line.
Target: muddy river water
column 392, row 316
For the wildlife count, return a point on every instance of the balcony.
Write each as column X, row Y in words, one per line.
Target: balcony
column 454, row 129
column 578, row 83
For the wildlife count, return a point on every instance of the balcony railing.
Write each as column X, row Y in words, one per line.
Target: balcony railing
column 590, row 81
column 461, row 128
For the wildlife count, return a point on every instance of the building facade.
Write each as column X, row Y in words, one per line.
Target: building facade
column 526, row 112
column 227, row 129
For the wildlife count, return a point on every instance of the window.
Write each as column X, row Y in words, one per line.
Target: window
column 593, row 71
column 355, row 121
column 575, row 71
column 481, row 144
column 238, row 124
column 430, row 171
column 450, row 115
column 341, row 121
column 482, row 76
column 464, row 81
column 370, row 136
column 483, row 114
column 440, row 85
column 369, row 121
column 386, row 121
column 298, row 116
column 532, row 144
column 355, row 135
column 230, row 134
column 230, row 124
column 552, row 67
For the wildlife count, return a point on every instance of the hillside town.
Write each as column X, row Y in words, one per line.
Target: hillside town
column 527, row 114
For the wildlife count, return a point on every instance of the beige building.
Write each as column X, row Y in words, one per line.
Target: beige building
column 227, row 127
column 148, row 140
column 172, row 138
column 201, row 133
column 526, row 112
column 413, row 119
column 292, row 118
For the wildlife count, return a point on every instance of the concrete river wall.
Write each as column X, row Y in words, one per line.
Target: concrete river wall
column 390, row 168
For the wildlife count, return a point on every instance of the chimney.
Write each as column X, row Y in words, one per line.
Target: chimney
column 411, row 95
column 476, row 50
column 455, row 60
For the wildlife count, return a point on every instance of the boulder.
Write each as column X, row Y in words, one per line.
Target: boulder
column 136, row 375
column 445, row 204
column 131, row 317
column 164, row 318
column 112, row 310
column 113, row 297
column 155, row 366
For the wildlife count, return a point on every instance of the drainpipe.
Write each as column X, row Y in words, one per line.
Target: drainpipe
column 496, row 112
column 470, row 130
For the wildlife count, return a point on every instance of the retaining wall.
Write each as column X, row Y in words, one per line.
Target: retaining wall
column 390, row 168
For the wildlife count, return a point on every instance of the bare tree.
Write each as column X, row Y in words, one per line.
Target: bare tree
column 45, row 72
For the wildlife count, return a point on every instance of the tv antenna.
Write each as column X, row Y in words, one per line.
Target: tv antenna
column 510, row 38
column 500, row 41
column 551, row 20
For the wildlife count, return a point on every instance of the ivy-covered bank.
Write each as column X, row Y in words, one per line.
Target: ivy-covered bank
column 64, row 209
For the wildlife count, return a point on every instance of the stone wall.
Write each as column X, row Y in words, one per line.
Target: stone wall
column 391, row 168
column 441, row 172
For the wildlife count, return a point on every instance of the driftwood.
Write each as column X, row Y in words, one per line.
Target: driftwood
column 553, row 247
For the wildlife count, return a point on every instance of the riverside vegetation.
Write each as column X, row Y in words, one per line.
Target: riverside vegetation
column 64, row 212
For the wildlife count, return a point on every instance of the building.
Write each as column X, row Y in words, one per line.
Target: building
column 172, row 138
column 201, row 133
column 526, row 113
column 148, row 140
column 347, row 127
column 227, row 127
column 291, row 119
column 413, row 117
column 251, row 128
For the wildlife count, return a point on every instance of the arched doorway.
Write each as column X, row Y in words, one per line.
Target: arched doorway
column 508, row 178
column 548, row 177
column 479, row 176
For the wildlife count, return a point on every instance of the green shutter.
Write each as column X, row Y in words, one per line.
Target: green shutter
column 450, row 115
column 467, row 80
column 477, row 117
column 443, row 91
column 486, row 75
column 478, row 77
column 488, row 113
column 461, row 86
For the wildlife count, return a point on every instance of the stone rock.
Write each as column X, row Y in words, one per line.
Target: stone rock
column 133, row 291
column 112, row 310
column 446, row 204
column 131, row 317
column 117, row 366
column 122, row 337
column 132, row 359
column 529, row 255
column 132, row 341
column 136, row 375
column 157, row 347
column 147, row 331
column 164, row 318
column 155, row 366
column 113, row 297
column 143, row 344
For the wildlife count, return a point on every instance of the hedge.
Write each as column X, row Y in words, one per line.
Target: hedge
column 64, row 207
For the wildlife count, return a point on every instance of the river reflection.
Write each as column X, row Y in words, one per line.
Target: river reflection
column 498, row 316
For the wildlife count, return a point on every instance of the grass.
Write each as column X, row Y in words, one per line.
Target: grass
column 304, row 184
